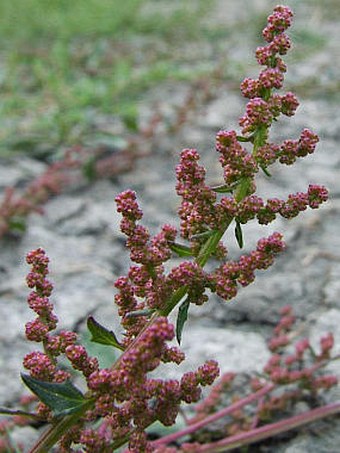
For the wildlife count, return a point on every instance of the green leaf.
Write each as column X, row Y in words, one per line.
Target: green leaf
column 239, row 235
column 106, row 356
column 17, row 224
column 181, row 318
column 204, row 235
column 243, row 189
column 130, row 118
column 63, row 398
column 138, row 313
column 89, row 169
column 181, row 250
column 14, row 412
column 102, row 335
column 224, row 188
column 265, row 171
column 240, row 138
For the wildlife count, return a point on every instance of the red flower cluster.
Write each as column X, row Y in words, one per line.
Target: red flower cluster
column 303, row 366
column 124, row 397
column 38, row 300
column 44, row 365
column 288, row 376
column 264, row 106
column 197, row 209
column 226, row 278
column 237, row 163
column 130, row 399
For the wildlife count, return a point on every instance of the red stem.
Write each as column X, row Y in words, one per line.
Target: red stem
column 246, row 438
column 222, row 413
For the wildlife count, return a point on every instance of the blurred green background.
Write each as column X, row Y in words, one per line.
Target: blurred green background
column 65, row 64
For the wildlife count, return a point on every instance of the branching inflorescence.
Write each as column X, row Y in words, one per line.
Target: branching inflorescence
column 123, row 400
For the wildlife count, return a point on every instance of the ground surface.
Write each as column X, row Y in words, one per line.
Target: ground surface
column 80, row 229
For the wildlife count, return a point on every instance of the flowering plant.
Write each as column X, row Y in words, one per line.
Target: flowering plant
column 123, row 400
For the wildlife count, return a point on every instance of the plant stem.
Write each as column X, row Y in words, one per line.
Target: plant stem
column 54, row 433
column 270, row 430
column 204, row 254
column 212, row 418
column 208, row 248
column 210, row 245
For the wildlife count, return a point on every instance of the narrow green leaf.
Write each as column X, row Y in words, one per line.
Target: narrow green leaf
column 243, row 189
column 102, row 335
column 138, row 313
column 239, row 235
column 240, row 138
column 130, row 119
column 17, row 224
column 14, row 412
column 265, row 171
column 181, row 318
column 89, row 169
column 224, row 188
column 204, row 235
column 63, row 398
column 181, row 250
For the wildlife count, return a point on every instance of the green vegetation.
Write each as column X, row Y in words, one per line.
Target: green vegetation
column 68, row 66
column 65, row 63
column 62, row 19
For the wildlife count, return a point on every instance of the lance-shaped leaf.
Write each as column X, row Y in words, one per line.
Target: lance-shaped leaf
column 138, row 313
column 62, row 398
column 89, row 169
column 239, row 234
column 265, row 171
column 240, row 138
column 17, row 224
column 243, row 188
column 181, row 250
column 224, row 188
column 181, row 318
column 203, row 235
column 102, row 335
column 14, row 412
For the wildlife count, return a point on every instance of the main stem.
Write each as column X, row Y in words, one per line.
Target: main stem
column 51, row 437
column 55, row 432
column 216, row 416
column 255, row 435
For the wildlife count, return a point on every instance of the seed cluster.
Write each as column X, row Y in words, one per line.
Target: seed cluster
column 126, row 397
